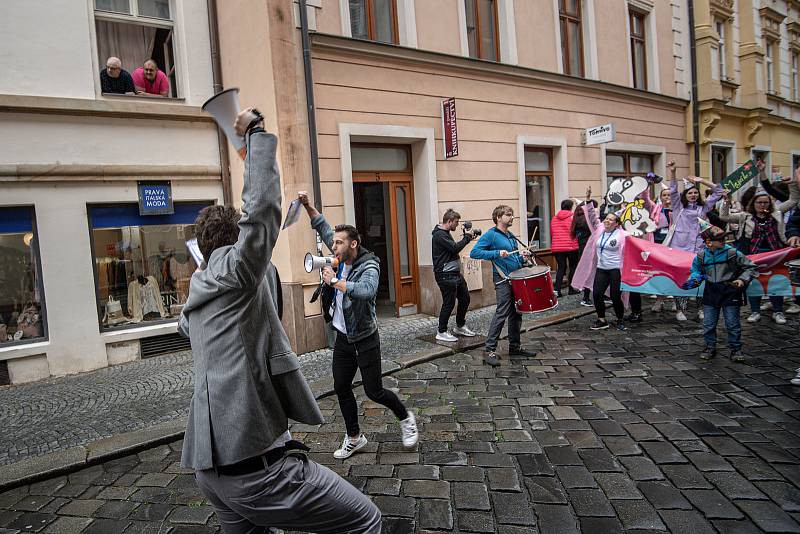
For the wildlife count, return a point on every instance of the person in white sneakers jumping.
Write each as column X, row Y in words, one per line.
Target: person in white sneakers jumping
column 358, row 345
column 447, row 270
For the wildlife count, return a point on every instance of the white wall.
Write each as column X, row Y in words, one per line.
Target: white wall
column 49, row 49
column 33, row 139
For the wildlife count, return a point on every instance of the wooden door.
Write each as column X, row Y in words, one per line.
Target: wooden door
column 404, row 236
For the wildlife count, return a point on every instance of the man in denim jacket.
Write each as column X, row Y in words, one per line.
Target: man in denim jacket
column 358, row 346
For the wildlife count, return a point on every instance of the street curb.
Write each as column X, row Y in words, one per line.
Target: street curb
column 38, row 468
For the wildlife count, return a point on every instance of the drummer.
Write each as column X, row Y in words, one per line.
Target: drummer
column 499, row 246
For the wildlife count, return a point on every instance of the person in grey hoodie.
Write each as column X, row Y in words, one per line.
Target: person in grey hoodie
column 358, row 345
column 247, row 380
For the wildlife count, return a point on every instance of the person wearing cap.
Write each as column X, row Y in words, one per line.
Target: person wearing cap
column 726, row 273
column 762, row 229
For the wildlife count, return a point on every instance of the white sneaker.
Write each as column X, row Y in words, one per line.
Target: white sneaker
column 463, row 331
column 680, row 316
column 446, row 336
column 408, row 428
column 658, row 306
column 701, row 315
column 349, row 446
column 766, row 305
column 754, row 317
column 779, row 318
column 794, row 308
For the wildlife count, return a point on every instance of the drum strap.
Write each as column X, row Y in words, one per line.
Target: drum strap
column 500, row 272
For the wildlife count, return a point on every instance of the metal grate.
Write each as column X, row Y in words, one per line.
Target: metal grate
column 157, row 345
column 5, row 379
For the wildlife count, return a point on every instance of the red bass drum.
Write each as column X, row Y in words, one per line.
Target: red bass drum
column 533, row 289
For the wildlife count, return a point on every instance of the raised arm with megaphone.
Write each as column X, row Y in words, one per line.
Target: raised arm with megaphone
column 224, row 108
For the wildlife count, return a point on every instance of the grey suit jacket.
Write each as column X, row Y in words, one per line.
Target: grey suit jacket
column 247, row 379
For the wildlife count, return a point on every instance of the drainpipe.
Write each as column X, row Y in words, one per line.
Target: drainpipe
column 216, row 75
column 311, row 108
column 695, row 107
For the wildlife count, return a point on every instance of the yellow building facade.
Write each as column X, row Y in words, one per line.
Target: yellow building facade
column 748, row 56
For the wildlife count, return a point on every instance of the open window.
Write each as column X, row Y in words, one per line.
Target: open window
column 135, row 31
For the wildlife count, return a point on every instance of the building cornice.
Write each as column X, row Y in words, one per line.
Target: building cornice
column 771, row 20
column 764, row 115
column 721, row 9
column 373, row 50
column 61, row 172
column 121, row 107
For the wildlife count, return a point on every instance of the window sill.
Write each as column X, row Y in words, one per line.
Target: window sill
column 126, row 96
column 137, row 331
column 119, row 107
column 23, row 349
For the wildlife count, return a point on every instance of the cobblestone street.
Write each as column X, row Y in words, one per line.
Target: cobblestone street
column 601, row 432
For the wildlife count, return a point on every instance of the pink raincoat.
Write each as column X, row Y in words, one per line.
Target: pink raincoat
column 587, row 266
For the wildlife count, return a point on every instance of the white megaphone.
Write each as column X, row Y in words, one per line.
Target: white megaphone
column 311, row 262
column 224, row 107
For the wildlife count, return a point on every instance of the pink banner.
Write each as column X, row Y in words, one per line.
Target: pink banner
column 658, row 270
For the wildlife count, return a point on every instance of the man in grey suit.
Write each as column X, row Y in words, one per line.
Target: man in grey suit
column 248, row 381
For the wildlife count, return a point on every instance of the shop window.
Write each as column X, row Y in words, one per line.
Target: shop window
column 539, row 195
column 142, row 264
column 719, row 163
column 482, row 29
column 570, row 19
column 374, row 20
column 135, row 31
column 22, row 311
column 621, row 165
column 638, row 48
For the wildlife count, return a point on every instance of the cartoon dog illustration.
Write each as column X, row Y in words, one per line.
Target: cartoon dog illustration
column 633, row 215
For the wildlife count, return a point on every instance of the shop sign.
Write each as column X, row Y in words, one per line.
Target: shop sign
column 155, row 198
column 449, row 128
column 605, row 133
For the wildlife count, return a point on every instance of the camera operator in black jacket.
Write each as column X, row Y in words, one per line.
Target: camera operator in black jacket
column 447, row 269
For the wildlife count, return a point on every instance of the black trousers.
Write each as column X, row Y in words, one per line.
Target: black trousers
column 603, row 280
column 364, row 355
column 636, row 302
column 562, row 259
column 450, row 293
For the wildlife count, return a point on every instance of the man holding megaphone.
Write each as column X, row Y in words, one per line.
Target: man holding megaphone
column 358, row 345
column 248, row 382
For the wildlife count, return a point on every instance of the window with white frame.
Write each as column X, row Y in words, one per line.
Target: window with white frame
column 795, row 77
column 482, row 29
column 723, row 58
column 720, row 156
column 769, row 64
column 139, row 34
column 636, row 26
column 570, row 15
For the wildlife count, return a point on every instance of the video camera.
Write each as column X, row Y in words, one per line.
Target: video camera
column 467, row 227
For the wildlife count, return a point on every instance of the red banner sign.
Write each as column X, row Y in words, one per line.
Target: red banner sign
column 449, row 128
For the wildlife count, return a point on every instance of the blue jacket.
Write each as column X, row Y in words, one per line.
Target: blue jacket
column 358, row 303
column 489, row 246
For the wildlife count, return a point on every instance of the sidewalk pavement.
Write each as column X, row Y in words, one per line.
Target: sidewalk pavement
column 63, row 424
column 600, row 432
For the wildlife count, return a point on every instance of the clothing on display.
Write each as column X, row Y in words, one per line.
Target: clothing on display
column 144, row 298
column 182, row 274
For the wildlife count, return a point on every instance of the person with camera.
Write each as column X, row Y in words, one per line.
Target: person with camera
column 447, row 270
column 499, row 246
column 358, row 345
column 248, row 382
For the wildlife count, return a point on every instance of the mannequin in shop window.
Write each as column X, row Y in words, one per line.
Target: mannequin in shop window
column 181, row 268
column 144, row 299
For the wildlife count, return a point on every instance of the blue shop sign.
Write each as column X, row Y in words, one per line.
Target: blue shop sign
column 155, row 198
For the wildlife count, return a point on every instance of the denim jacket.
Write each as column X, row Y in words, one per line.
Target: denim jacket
column 358, row 302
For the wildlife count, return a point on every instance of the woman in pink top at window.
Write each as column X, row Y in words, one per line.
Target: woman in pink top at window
column 149, row 81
